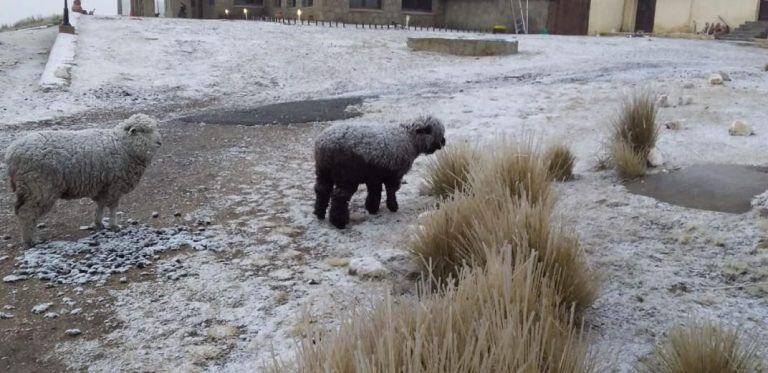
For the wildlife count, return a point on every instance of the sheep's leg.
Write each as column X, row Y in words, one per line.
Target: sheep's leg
column 98, row 219
column 29, row 209
column 339, row 215
column 373, row 200
column 323, row 190
column 392, row 187
column 112, row 219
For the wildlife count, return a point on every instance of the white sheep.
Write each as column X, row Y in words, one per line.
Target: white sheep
column 99, row 164
column 347, row 155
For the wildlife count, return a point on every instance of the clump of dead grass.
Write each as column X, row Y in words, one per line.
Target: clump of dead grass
column 519, row 166
column 500, row 318
column 469, row 226
column 703, row 347
column 633, row 134
column 449, row 171
column 560, row 160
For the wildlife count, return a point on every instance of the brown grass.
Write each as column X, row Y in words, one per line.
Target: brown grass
column 449, row 171
column 495, row 320
column 467, row 227
column 32, row 22
column 633, row 134
column 519, row 166
column 560, row 160
column 703, row 347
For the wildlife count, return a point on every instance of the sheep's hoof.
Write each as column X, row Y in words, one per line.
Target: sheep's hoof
column 320, row 215
column 99, row 226
column 373, row 210
column 392, row 206
column 114, row 228
column 339, row 223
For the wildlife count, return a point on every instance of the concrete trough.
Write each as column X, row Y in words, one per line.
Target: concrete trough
column 464, row 47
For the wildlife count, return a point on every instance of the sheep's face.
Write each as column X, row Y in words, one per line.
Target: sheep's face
column 142, row 133
column 428, row 134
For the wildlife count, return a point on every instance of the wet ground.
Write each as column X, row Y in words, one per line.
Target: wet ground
column 714, row 187
column 296, row 112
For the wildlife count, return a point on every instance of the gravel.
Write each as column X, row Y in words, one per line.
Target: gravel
column 104, row 253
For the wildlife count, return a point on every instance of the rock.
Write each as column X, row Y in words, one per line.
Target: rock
column 6, row 237
column 662, row 101
column 685, row 101
column 155, row 214
column 654, row 158
column 68, row 301
column 4, row 257
column 367, row 267
column 739, row 128
column 42, row 307
column 688, row 85
column 177, row 214
column 5, row 315
column 51, row 315
column 716, row 79
column 76, row 311
column 85, row 227
column 674, row 125
column 337, row 262
column 123, row 280
column 73, row 332
column 725, row 76
column 14, row 278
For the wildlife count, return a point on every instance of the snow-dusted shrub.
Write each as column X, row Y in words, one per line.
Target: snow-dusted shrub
column 347, row 155
column 560, row 162
column 500, row 318
column 634, row 132
column 102, row 165
column 703, row 347
column 449, row 171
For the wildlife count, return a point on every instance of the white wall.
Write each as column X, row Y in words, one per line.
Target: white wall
column 605, row 16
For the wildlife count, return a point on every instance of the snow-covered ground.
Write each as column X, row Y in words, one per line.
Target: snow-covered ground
column 660, row 264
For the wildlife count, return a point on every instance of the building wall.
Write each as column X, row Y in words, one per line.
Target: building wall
column 606, row 16
column 484, row 14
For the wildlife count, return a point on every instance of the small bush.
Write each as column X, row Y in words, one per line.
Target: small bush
column 560, row 160
column 703, row 347
column 633, row 134
column 519, row 166
column 449, row 171
column 466, row 227
column 32, row 22
column 495, row 320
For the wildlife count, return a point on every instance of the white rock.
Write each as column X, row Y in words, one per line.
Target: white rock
column 14, row 278
column 5, row 315
column 739, row 128
column 674, row 125
column 688, row 85
column 725, row 76
column 76, row 311
column 716, row 79
column 73, row 332
column 662, row 101
column 367, row 267
column 42, row 307
column 51, row 315
column 654, row 158
column 684, row 101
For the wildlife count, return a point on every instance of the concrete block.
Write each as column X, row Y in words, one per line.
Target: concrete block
column 464, row 47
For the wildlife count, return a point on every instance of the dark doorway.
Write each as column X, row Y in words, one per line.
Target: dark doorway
column 646, row 10
column 763, row 10
column 571, row 17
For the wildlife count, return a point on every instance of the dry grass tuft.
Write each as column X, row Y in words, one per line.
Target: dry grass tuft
column 560, row 160
column 519, row 166
column 703, row 347
column 449, row 171
column 467, row 227
column 495, row 320
column 633, row 134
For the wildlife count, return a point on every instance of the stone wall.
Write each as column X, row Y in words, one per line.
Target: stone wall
column 484, row 14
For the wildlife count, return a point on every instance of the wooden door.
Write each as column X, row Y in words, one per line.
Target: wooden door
column 763, row 10
column 646, row 11
column 571, row 17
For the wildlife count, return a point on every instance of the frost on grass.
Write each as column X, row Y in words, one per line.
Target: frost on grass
column 501, row 318
column 448, row 172
column 703, row 347
column 560, row 160
column 97, row 257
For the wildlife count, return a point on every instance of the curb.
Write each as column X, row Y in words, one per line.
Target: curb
column 58, row 70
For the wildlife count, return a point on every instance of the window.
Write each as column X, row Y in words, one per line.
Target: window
column 365, row 4
column 307, row 3
column 249, row 2
column 291, row 3
column 420, row 5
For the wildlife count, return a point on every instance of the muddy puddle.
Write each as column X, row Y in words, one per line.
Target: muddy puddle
column 296, row 112
column 714, row 187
